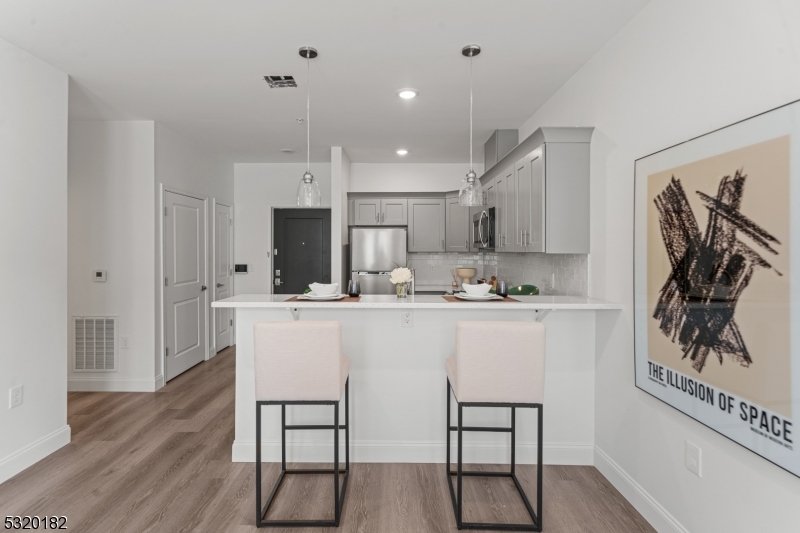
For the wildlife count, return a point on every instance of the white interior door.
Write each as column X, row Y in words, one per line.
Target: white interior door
column 184, row 284
column 223, row 272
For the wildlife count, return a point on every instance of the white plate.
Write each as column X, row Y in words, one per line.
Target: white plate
column 463, row 296
column 311, row 296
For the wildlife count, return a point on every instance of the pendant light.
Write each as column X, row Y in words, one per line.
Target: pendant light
column 471, row 192
column 308, row 190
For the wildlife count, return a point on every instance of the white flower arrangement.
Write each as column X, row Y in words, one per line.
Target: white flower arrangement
column 400, row 275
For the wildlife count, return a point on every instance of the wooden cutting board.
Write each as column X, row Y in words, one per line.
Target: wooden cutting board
column 504, row 300
column 345, row 299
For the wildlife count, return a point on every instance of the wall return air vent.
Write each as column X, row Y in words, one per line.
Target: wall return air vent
column 95, row 343
column 279, row 82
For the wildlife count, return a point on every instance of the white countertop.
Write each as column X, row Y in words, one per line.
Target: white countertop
column 381, row 301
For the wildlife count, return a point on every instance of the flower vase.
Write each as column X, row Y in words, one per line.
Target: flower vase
column 402, row 289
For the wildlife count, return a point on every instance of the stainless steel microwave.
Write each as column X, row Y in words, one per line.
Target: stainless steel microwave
column 483, row 229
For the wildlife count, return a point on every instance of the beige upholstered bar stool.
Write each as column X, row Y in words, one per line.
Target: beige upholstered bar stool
column 301, row 363
column 497, row 364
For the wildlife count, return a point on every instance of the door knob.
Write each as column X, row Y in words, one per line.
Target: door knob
column 220, row 285
column 203, row 288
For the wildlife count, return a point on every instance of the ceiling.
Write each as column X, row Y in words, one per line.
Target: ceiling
column 197, row 67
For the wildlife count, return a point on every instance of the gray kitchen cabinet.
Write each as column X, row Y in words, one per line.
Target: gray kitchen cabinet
column 367, row 211
column 380, row 212
column 542, row 190
column 394, row 212
column 529, row 180
column 457, row 226
column 505, row 223
column 490, row 194
column 426, row 225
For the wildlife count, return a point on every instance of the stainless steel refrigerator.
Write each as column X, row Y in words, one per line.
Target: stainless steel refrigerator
column 374, row 253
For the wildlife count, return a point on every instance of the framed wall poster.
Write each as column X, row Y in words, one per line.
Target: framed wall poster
column 717, row 281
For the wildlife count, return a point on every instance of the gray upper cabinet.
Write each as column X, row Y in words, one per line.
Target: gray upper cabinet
column 529, row 180
column 542, row 191
column 380, row 212
column 505, row 224
column 426, row 225
column 368, row 211
column 457, row 226
column 394, row 212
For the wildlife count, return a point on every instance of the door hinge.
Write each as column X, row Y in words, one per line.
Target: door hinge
column 231, row 321
column 166, row 351
column 275, row 252
column 165, row 211
column 230, row 222
column 230, row 272
column 165, row 282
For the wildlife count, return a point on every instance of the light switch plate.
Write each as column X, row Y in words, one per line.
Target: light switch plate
column 694, row 457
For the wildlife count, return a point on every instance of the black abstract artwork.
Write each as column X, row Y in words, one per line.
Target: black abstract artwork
column 709, row 270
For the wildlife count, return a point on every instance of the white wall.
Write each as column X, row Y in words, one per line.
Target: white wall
column 111, row 203
column 33, row 218
column 679, row 69
column 116, row 173
column 186, row 167
column 340, row 185
column 409, row 177
column 258, row 188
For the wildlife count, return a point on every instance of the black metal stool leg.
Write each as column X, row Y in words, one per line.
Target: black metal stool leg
column 539, row 453
column 347, row 425
column 460, row 461
column 258, row 463
column 283, row 438
column 336, row 507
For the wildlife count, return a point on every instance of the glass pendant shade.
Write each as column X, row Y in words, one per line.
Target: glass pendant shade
column 471, row 192
column 308, row 192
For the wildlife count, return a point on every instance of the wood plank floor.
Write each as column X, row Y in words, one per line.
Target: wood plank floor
column 160, row 462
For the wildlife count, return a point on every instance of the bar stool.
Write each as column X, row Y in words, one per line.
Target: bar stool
column 301, row 363
column 497, row 364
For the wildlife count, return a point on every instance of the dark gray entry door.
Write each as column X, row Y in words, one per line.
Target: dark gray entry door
column 302, row 249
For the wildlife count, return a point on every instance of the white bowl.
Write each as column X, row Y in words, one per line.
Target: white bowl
column 323, row 289
column 481, row 289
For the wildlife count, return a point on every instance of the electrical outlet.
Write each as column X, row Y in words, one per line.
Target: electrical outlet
column 694, row 456
column 15, row 396
column 406, row 319
column 125, row 342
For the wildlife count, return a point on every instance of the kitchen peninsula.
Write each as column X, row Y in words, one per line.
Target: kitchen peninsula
column 397, row 378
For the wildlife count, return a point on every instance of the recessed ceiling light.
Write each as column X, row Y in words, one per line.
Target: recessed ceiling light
column 402, row 151
column 407, row 94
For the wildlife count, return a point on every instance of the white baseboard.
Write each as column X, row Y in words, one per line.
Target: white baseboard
column 413, row 452
column 113, row 384
column 160, row 381
column 655, row 513
column 34, row 452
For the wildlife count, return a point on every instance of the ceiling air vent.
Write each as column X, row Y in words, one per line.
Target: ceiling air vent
column 95, row 343
column 279, row 82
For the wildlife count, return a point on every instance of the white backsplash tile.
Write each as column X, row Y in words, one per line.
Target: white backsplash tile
column 561, row 274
